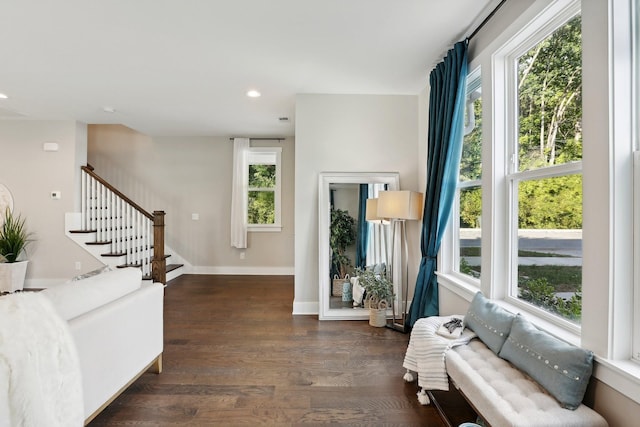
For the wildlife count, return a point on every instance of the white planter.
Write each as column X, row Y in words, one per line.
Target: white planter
column 12, row 276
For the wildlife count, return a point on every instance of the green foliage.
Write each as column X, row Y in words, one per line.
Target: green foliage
column 13, row 237
column 262, row 176
column 378, row 287
column 549, row 133
column 550, row 99
column 551, row 203
column 261, row 204
column 467, row 269
column 342, row 235
column 470, row 207
column 542, row 294
column 261, row 207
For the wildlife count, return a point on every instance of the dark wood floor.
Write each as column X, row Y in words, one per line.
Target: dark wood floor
column 234, row 355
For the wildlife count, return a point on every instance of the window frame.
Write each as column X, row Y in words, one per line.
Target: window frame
column 256, row 155
column 474, row 80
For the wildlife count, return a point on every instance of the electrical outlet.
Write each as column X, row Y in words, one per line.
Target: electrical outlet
column 241, row 255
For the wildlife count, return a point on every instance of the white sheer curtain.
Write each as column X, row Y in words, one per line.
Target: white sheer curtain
column 239, row 188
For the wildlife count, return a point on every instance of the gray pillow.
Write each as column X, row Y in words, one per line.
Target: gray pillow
column 561, row 368
column 489, row 321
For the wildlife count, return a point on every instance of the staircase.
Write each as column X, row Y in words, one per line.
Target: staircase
column 118, row 232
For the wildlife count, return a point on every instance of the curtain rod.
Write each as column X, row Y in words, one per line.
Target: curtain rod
column 482, row 24
column 262, row 139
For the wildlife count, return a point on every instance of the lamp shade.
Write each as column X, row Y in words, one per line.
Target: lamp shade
column 372, row 210
column 400, row 205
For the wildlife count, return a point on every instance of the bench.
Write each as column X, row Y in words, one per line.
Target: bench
column 512, row 373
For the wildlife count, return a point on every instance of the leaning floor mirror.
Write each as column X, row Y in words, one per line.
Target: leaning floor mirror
column 349, row 238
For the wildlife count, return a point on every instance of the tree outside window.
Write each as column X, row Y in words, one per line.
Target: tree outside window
column 546, row 177
column 263, row 194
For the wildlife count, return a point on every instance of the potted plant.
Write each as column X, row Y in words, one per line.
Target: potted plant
column 13, row 240
column 379, row 295
column 342, row 235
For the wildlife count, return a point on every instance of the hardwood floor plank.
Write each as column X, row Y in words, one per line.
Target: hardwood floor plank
column 234, row 355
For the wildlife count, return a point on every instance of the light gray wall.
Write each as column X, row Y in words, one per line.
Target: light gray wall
column 192, row 175
column 347, row 133
column 31, row 174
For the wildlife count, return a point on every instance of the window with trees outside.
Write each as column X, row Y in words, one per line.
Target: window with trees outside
column 544, row 174
column 468, row 206
column 263, row 195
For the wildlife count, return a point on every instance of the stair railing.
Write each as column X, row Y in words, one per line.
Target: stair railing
column 116, row 219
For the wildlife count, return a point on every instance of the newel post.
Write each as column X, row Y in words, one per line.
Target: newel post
column 159, row 263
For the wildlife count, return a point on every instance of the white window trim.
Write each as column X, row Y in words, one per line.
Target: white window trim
column 449, row 257
column 253, row 158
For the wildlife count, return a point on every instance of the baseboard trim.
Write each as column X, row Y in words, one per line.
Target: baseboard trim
column 305, row 308
column 249, row 271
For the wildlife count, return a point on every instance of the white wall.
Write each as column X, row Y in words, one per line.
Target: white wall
column 187, row 175
column 31, row 174
column 348, row 133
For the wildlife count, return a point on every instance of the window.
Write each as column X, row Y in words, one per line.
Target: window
column 263, row 194
column 468, row 205
column 544, row 173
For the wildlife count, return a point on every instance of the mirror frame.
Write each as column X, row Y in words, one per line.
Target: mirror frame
column 392, row 179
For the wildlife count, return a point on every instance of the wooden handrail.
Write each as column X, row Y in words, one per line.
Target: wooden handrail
column 157, row 262
column 89, row 170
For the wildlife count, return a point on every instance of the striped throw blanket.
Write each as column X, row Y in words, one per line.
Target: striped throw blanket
column 426, row 351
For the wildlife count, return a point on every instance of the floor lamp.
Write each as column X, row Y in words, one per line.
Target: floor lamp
column 372, row 217
column 399, row 207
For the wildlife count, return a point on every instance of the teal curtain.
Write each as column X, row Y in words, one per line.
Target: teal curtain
column 444, row 147
column 362, row 242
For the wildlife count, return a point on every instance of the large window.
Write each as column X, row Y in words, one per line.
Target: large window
column 544, row 173
column 263, row 195
column 468, row 206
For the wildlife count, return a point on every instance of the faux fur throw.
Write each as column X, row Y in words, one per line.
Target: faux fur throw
column 426, row 352
column 40, row 382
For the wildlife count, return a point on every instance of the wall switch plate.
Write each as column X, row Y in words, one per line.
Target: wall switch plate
column 195, row 216
column 241, row 255
column 78, row 265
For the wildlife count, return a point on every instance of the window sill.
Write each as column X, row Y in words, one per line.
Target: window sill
column 264, row 228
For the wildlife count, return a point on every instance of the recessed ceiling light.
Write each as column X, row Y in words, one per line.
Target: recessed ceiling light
column 253, row 94
column 3, row 96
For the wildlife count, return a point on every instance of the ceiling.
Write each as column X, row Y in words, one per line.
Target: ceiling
column 183, row 67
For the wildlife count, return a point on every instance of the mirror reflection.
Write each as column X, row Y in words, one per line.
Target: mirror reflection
column 350, row 239
column 356, row 239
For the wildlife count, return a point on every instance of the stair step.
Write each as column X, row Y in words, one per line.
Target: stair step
column 104, row 242
column 114, row 254
column 129, row 265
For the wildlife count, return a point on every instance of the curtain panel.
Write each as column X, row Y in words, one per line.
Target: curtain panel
column 362, row 243
column 240, row 185
column 446, row 117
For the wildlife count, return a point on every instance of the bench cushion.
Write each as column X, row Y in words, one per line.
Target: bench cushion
column 505, row 396
column 489, row 321
column 562, row 369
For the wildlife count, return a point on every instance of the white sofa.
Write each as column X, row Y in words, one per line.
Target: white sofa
column 117, row 325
